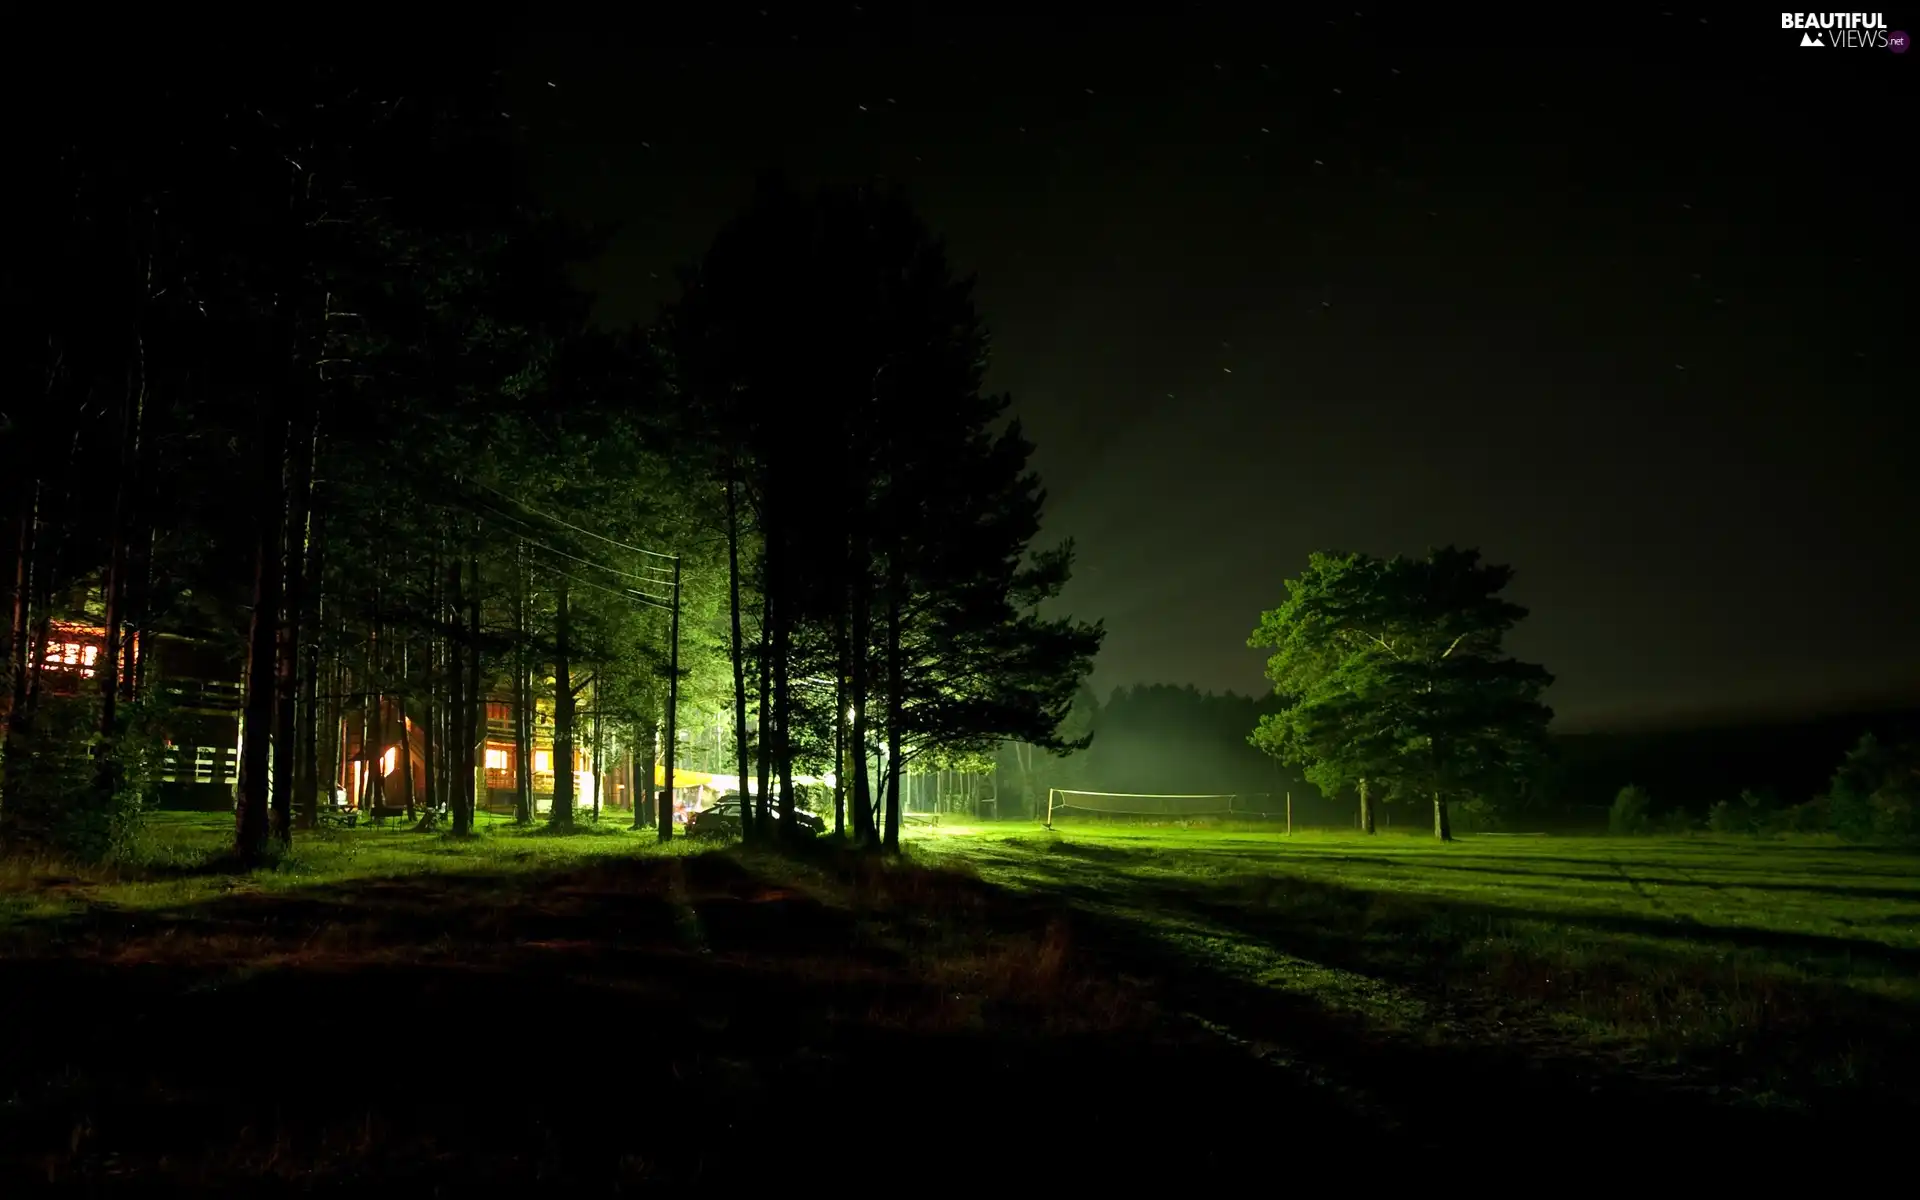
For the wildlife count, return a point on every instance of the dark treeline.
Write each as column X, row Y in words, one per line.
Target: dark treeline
column 299, row 373
column 1695, row 767
column 1163, row 739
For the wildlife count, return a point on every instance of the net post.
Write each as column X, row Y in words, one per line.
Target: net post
column 1289, row 814
column 1049, row 821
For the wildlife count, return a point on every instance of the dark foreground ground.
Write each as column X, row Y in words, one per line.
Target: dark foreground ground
column 619, row 1020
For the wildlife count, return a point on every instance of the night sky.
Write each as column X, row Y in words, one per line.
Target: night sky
column 1624, row 305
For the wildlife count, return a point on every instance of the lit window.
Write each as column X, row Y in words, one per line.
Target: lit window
column 389, row 760
column 496, row 759
column 88, row 654
column 543, row 762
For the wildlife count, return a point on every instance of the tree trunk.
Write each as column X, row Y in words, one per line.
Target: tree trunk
column 782, row 715
column 1366, row 809
column 106, row 666
column 42, row 605
column 20, row 629
column 739, row 648
column 137, row 592
column 336, row 706
column 895, row 709
column 840, row 728
column 407, row 797
column 50, row 555
column 471, row 748
column 377, row 678
column 377, row 765
column 257, row 712
column 297, row 544
column 649, row 767
column 132, row 418
column 1442, row 821
column 114, row 584
column 461, row 819
column 19, row 640
column 522, row 694
column 357, row 779
column 863, row 827
column 598, row 730
column 523, row 742
column 431, row 750
column 861, row 638
column 561, row 815
column 763, row 744
column 306, row 797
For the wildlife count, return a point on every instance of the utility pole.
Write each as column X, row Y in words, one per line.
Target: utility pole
column 673, row 704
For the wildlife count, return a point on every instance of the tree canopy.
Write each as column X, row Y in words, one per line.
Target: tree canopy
column 317, row 389
column 836, row 364
column 1391, row 674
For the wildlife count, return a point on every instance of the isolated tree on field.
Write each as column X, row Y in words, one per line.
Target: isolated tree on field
column 1393, row 670
column 1323, row 623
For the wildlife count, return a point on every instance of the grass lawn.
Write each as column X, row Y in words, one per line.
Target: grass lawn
column 1767, row 974
column 1001, row 1005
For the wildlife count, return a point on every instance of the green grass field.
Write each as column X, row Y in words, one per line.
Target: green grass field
column 593, row 1010
column 1778, row 973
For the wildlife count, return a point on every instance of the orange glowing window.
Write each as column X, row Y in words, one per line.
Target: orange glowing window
column 496, row 759
column 78, row 656
column 543, row 762
column 390, row 760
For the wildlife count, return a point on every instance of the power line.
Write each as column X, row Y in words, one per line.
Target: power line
column 517, row 531
column 590, row 563
column 624, row 593
column 577, row 529
column 521, row 526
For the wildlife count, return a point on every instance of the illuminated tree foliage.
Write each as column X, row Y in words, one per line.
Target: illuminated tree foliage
column 312, row 384
column 309, row 381
column 1392, row 676
column 837, row 363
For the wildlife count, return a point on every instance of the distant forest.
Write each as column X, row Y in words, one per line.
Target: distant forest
column 1162, row 738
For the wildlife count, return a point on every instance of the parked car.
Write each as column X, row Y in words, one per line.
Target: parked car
column 722, row 819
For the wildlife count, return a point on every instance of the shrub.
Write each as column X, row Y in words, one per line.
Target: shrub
column 1811, row 817
column 1631, row 813
column 1477, row 815
column 1876, row 792
column 1751, row 813
column 1678, row 821
column 62, row 795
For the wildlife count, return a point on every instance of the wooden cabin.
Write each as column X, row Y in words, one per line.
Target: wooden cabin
column 374, row 763
column 201, row 766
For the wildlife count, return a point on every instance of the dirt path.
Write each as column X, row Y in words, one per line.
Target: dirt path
column 694, row 1020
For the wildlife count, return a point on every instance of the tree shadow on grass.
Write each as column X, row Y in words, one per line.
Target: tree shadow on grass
column 570, row 1030
column 1682, row 926
column 1800, row 1032
column 1727, row 878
